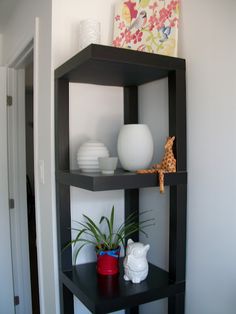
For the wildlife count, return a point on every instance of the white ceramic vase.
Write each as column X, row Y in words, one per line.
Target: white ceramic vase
column 135, row 147
column 89, row 32
column 88, row 154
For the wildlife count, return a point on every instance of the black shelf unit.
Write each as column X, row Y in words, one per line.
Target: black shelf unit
column 103, row 65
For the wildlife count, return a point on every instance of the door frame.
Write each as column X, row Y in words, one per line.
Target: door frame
column 16, row 84
column 7, row 290
column 17, row 189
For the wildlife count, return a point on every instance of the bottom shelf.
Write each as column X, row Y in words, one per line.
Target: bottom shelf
column 104, row 294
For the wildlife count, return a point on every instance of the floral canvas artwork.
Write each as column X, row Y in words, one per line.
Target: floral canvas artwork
column 147, row 25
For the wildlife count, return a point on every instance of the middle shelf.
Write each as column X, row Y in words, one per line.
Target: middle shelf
column 120, row 180
column 103, row 294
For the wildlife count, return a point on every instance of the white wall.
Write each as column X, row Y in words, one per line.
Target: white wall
column 209, row 48
column 17, row 33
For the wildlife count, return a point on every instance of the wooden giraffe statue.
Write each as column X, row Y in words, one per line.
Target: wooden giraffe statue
column 168, row 163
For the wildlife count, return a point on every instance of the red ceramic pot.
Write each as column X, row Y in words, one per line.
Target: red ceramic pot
column 108, row 262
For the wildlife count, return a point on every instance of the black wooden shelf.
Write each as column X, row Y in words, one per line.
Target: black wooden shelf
column 120, row 180
column 104, row 65
column 104, row 294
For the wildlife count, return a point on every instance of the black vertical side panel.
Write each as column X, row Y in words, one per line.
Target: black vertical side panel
column 177, row 115
column 177, row 246
column 132, row 205
column 131, row 105
column 68, row 306
column 63, row 191
column 131, row 196
column 177, row 304
column 178, row 194
column 64, row 217
column 62, row 124
column 131, row 117
column 62, row 163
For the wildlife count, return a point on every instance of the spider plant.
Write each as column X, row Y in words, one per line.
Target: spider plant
column 89, row 233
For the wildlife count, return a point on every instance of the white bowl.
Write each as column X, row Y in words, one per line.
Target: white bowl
column 107, row 165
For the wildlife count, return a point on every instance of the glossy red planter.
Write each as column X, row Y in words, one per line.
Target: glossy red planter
column 108, row 262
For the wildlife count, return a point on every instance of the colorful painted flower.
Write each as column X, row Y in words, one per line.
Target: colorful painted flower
column 165, row 14
column 121, row 25
column 117, row 42
column 160, row 23
column 137, row 36
column 131, row 5
column 128, row 37
column 152, row 20
column 172, row 5
column 117, row 18
column 154, row 6
column 173, row 22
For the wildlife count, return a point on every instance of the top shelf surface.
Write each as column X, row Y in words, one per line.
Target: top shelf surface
column 105, row 65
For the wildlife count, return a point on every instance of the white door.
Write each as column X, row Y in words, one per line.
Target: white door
column 6, row 278
column 17, row 190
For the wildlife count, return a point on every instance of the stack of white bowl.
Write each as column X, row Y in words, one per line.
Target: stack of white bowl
column 88, row 154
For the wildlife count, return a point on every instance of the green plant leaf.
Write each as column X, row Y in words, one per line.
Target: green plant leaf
column 120, row 239
column 112, row 223
column 77, row 252
column 110, row 239
column 93, row 228
column 92, row 225
column 80, row 233
column 84, row 240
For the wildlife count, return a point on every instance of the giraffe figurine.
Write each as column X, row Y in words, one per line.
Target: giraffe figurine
column 168, row 163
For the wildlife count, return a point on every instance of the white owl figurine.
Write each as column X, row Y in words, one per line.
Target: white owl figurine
column 135, row 262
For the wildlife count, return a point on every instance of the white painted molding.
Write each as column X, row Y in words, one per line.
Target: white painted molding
column 36, row 169
column 6, row 283
column 17, row 190
column 24, row 55
column 20, row 53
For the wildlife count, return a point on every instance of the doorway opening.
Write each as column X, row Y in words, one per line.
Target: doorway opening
column 29, row 147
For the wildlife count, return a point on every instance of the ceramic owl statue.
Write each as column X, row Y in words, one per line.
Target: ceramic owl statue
column 135, row 262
